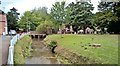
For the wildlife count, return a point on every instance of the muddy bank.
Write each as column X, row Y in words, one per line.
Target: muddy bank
column 69, row 57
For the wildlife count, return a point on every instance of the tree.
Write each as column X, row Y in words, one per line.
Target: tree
column 14, row 12
column 107, row 6
column 69, row 10
column 31, row 19
column 12, row 18
column 26, row 21
column 58, row 12
column 45, row 27
column 80, row 14
column 109, row 17
column 115, row 25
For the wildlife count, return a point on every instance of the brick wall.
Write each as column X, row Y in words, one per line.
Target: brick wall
column 2, row 23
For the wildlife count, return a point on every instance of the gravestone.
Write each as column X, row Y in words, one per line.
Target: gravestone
column 71, row 29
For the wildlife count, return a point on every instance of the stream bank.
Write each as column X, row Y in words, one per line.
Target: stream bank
column 69, row 57
column 40, row 54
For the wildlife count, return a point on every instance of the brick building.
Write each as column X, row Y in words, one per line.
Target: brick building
column 3, row 23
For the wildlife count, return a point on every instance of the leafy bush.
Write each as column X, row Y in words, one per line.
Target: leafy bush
column 52, row 45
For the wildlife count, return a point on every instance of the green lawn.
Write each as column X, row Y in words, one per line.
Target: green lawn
column 107, row 53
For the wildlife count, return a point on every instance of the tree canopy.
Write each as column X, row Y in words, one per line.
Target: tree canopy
column 58, row 12
column 108, row 16
column 12, row 18
column 31, row 19
column 77, row 14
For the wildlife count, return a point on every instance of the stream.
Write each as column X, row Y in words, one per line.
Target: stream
column 40, row 54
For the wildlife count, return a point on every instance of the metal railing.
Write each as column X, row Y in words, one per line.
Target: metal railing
column 11, row 47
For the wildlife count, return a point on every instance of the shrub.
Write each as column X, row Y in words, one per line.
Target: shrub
column 52, row 45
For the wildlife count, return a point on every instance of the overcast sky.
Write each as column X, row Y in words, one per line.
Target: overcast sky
column 26, row 5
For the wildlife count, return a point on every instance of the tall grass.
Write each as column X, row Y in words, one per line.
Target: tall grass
column 22, row 50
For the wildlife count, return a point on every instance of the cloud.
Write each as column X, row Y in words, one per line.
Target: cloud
column 95, row 3
column 26, row 5
column 10, row 0
column 23, row 5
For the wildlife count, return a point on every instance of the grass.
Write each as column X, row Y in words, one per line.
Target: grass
column 22, row 50
column 106, row 54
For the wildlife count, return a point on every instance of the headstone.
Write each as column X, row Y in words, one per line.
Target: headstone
column 66, row 29
column 87, row 30
column 75, row 33
column 71, row 29
column 105, row 29
column 95, row 32
column 80, row 31
column 59, row 32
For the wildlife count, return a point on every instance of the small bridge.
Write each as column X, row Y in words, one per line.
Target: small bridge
column 38, row 36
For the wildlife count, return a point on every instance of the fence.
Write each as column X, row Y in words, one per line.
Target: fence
column 11, row 47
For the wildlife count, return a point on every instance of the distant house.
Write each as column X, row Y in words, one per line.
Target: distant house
column 3, row 23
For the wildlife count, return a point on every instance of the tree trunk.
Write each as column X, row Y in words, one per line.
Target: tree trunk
column 84, row 28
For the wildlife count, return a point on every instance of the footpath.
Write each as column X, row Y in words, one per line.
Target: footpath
column 4, row 45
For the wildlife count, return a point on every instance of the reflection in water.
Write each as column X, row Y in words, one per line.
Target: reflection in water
column 41, row 54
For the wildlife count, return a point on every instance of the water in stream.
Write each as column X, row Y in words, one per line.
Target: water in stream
column 41, row 54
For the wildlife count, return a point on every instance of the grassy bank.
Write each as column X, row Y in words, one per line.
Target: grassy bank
column 79, row 44
column 22, row 50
